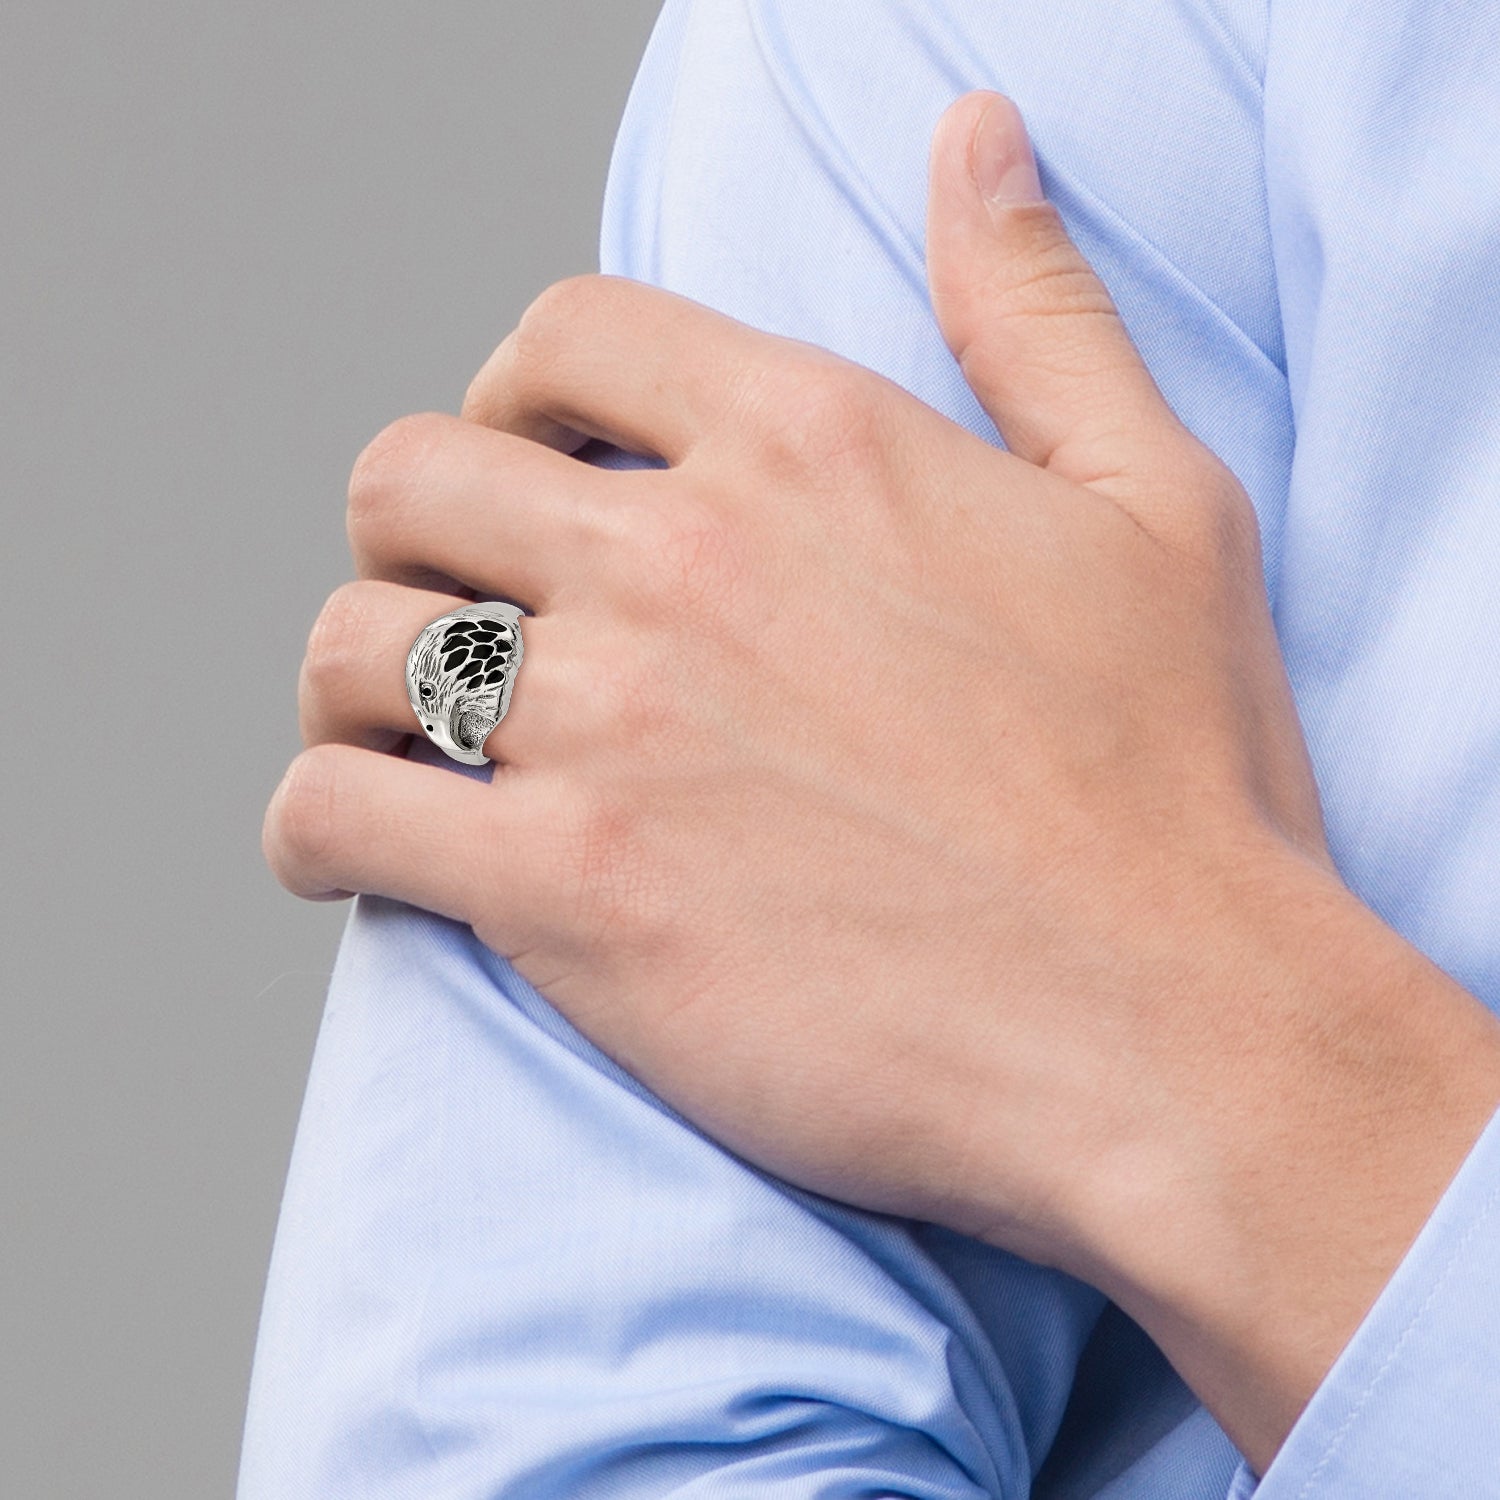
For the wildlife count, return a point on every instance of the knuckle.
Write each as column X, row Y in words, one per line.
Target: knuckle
column 302, row 819
column 333, row 643
column 1059, row 288
column 682, row 553
column 390, row 462
column 601, row 691
column 1238, row 524
column 1221, row 530
column 1046, row 274
column 606, row 856
column 631, row 534
column 480, row 398
column 702, row 557
column 817, row 412
column 612, row 700
column 547, row 323
column 640, row 715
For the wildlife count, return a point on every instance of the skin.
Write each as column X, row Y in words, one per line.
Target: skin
column 931, row 823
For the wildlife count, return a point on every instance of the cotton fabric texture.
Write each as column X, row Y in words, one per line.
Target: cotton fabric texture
column 503, row 1268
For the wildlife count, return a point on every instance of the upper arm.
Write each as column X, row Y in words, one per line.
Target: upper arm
column 772, row 163
column 502, row 1265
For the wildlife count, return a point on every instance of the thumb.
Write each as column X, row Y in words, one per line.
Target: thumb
column 1032, row 327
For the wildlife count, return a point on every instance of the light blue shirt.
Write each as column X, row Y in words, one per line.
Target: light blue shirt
column 505, row 1268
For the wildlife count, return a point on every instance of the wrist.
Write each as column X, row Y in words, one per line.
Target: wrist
column 1314, row 1091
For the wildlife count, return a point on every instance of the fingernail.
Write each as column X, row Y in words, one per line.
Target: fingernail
column 1001, row 159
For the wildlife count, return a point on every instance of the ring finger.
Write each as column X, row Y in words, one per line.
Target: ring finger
column 352, row 686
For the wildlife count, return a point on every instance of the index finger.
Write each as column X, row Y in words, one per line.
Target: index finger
column 609, row 358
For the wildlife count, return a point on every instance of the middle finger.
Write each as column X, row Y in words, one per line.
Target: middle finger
column 439, row 502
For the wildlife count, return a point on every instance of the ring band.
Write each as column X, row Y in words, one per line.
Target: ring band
column 459, row 676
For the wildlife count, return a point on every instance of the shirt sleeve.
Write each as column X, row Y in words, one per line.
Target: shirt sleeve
column 503, row 1266
column 1385, row 207
column 1412, row 1405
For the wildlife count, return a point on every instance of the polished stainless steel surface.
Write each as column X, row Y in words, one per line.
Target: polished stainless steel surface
column 459, row 676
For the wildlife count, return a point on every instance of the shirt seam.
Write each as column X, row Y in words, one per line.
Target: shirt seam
column 1335, row 1442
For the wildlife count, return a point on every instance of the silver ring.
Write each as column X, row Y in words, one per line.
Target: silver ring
column 459, row 676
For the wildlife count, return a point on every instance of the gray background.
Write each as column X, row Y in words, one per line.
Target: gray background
column 235, row 241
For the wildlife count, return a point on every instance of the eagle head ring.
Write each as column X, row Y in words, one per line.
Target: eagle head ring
column 459, row 674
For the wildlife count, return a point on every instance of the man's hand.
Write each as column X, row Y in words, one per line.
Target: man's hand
column 930, row 823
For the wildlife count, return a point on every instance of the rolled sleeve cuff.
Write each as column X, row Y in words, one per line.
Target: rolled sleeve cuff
column 1412, row 1405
